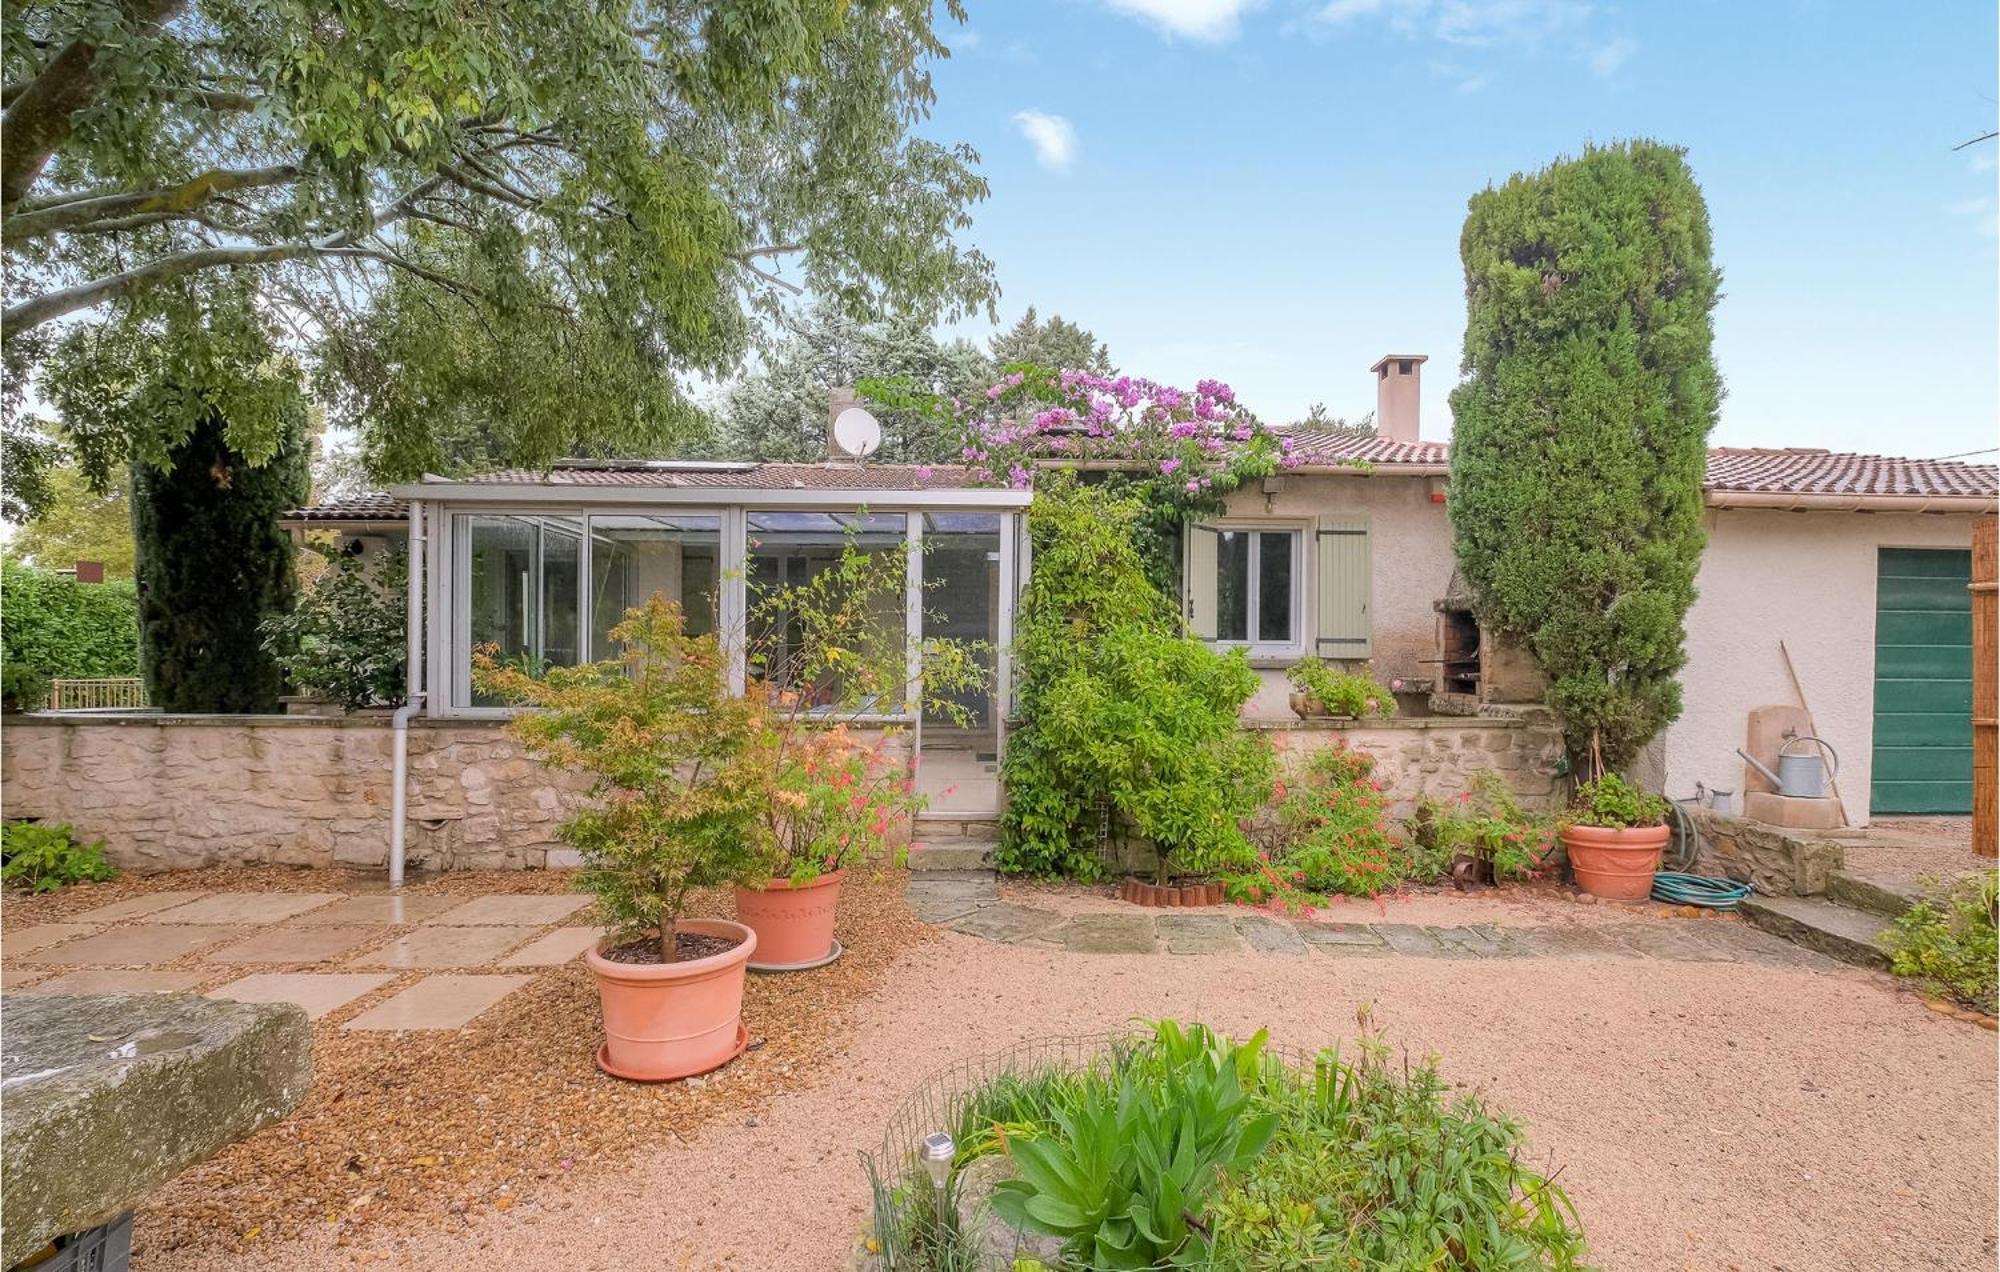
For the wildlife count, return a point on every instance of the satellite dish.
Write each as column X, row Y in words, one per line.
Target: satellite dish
column 856, row 433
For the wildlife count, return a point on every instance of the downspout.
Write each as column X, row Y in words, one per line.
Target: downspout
column 413, row 693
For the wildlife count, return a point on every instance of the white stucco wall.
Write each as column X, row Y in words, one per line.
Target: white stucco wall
column 1410, row 538
column 1807, row 578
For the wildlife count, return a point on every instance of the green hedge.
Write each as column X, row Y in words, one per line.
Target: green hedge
column 61, row 628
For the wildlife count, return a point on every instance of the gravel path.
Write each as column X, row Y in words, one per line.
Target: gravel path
column 1706, row 1115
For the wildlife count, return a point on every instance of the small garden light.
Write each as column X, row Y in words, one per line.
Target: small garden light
column 937, row 1150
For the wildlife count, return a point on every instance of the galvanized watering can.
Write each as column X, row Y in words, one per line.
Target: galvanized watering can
column 1803, row 775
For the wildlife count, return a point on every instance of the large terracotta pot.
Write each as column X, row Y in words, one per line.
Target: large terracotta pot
column 794, row 924
column 1616, row 864
column 674, row 1020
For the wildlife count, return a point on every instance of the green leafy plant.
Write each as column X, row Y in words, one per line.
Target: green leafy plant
column 1485, row 822
column 1123, row 714
column 56, row 626
column 678, row 765
column 41, row 858
column 1332, row 691
column 1580, row 430
column 1124, row 1173
column 1613, row 803
column 22, row 688
column 1330, row 836
column 1946, row 942
column 346, row 638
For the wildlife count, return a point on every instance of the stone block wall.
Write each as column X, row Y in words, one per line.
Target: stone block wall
column 1780, row 862
column 179, row 792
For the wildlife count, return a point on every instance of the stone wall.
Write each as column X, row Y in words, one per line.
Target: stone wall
column 1780, row 862
column 178, row 792
column 1439, row 755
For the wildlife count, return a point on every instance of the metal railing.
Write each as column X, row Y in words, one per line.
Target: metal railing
column 104, row 694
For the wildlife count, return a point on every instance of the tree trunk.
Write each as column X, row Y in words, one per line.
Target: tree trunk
column 669, row 943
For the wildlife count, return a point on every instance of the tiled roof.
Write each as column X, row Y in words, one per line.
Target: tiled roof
column 720, row 476
column 368, row 507
column 1790, row 471
column 1802, row 471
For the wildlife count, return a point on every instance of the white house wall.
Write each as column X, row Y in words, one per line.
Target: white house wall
column 1807, row 578
column 1410, row 539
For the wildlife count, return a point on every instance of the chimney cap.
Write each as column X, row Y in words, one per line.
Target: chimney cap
column 1387, row 358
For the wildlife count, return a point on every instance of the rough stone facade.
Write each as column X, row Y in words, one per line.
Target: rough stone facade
column 1778, row 861
column 1439, row 755
column 179, row 792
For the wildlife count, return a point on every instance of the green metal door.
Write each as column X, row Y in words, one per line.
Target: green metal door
column 1923, row 682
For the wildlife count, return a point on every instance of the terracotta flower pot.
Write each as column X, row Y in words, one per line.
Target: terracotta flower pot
column 674, row 1020
column 794, row 925
column 1616, row 864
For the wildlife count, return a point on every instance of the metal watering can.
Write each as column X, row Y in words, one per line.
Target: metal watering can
column 1803, row 775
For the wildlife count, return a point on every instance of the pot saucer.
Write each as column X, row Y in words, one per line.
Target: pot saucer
column 604, row 1061
column 837, row 950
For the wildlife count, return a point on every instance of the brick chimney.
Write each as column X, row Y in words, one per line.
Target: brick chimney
column 1398, row 395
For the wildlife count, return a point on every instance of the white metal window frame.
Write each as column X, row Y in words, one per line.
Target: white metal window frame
column 1298, row 531
column 447, row 664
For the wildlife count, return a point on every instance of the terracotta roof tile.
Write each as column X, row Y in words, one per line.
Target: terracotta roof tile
column 1804, row 471
column 367, row 507
column 737, row 476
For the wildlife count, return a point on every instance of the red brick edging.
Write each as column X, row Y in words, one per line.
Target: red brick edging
column 1170, row 894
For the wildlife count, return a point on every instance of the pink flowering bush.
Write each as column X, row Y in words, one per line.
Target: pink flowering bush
column 1331, row 837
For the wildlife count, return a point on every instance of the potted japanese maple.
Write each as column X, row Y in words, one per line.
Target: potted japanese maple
column 678, row 769
column 1614, row 834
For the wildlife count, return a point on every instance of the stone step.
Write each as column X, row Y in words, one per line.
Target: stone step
column 1838, row 931
column 935, row 826
column 1884, row 895
column 943, row 856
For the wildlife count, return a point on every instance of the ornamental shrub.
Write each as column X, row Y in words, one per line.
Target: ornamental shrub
column 53, row 626
column 1580, row 431
column 1486, row 823
column 1331, row 837
column 347, row 638
column 1947, row 943
column 1355, row 694
column 1613, row 803
column 213, row 565
column 1122, row 713
column 40, row 858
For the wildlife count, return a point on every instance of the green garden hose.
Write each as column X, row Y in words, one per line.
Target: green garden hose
column 1676, row 888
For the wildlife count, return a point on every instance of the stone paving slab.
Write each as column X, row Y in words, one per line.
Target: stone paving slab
column 429, row 947
column 1006, row 921
column 234, row 908
column 136, row 907
column 381, row 909
column 42, row 935
column 1565, row 942
column 561, row 946
column 1109, row 934
column 1481, row 941
column 317, row 992
column 289, row 944
column 437, row 1002
column 20, row 977
column 1344, row 938
column 1412, row 941
column 942, row 900
column 142, row 944
column 517, row 911
column 112, row 981
column 1198, row 934
column 1270, row 936
column 1686, row 943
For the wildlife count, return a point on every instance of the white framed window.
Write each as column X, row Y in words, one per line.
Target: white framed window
column 1246, row 586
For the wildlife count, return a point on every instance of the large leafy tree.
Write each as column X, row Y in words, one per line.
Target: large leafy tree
column 81, row 524
column 1580, row 431
column 1054, row 344
column 779, row 411
column 551, row 212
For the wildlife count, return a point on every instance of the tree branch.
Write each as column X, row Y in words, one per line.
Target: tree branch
column 81, row 214
column 38, row 119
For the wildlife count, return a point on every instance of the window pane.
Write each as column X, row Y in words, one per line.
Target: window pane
column 631, row 558
column 1274, row 588
column 1232, row 585
column 790, row 549
column 521, row 588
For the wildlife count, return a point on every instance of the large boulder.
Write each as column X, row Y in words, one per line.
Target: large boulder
column 108, row 1096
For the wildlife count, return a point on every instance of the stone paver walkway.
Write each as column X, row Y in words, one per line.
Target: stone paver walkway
column 973, row 905
column 392, row 963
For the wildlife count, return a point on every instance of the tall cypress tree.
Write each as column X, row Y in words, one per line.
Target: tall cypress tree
column 213, row 564
column 1580, row 431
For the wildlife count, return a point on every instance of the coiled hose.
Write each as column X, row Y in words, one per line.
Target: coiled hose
column 1675, row 887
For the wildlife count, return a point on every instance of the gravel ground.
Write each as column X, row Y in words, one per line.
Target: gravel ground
column 1913, row 850
column 1705, row 1116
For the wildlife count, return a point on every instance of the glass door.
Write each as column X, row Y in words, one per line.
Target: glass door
column 958, row 767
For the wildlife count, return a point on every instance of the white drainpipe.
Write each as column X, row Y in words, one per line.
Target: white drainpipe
column 413, row 695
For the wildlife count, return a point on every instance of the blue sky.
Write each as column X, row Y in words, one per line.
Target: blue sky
column 1271, row 192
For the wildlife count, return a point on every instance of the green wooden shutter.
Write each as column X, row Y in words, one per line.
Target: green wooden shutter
column 1201, row 581
column 1345, row 616
column 1923, row 682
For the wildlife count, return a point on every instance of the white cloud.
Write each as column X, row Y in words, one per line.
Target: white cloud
column 1052, row 136
column 1606, row 58
column 1338, row 11
column 964, row 41
column 1980, row 211
column 1213, row 21
column 1983, row 161
column 1464, row 81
